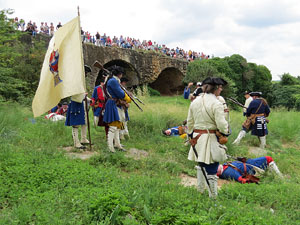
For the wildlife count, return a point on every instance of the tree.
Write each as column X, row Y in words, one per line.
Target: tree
column 198, row 70
column 287, row 79
column 261, row 81
column 20, row 63
column 286, row 96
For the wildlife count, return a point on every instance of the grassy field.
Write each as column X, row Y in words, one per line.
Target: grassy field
column 39, row 184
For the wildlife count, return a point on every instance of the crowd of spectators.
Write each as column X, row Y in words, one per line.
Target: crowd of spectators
column 105, row 40
column 132, row 43
column 33, row 29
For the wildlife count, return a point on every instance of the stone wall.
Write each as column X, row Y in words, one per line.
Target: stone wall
column 161, row 72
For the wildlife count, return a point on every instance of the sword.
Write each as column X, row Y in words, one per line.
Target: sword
column 202, row 169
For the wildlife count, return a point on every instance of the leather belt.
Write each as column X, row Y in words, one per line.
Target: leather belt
column 204, row 131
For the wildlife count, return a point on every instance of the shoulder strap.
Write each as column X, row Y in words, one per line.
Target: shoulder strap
column 237, row 169
column 259, row 106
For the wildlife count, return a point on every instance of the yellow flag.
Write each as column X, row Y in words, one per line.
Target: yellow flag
column 62, row 73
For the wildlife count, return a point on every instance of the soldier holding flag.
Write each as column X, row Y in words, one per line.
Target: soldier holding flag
column 62, row 76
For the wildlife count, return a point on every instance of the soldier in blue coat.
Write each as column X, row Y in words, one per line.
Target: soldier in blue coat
column 187, row 91
column 236, row 170
column 76, row 117
column 258, row 110
column 114, row 115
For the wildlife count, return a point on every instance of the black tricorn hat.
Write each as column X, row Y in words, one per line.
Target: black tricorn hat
column 256, row 93
column 116, row 70
column 247, row 92
column 124, row 79
column 214, row 81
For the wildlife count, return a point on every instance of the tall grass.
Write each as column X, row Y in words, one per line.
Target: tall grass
column 40, row 185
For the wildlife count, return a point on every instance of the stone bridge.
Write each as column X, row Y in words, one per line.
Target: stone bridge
column 160, row 72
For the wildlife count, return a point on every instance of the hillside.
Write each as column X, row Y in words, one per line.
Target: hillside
column 42, row 184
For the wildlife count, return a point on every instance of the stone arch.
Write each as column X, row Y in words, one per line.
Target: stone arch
column 169, row 81
column 130, row 72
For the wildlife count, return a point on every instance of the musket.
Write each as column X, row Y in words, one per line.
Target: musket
column 130, row 95
column 236, row 102
column 140, row 101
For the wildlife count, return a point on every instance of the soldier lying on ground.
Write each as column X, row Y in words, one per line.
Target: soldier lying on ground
column 239, row 170
column 177, row 131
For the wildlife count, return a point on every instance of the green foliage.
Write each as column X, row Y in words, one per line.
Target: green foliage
column 20, row 64
column 198, row 70
column 113, row 205
column 240, row 75
column 287, row 79
column 153, row 92
column 286, row 96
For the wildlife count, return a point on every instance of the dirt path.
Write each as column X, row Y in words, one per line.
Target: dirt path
column 188, row 181
column 84, row 155
column 258, row 152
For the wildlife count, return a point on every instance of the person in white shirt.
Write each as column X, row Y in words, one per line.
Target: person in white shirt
column 206, row 117
column 244, row 129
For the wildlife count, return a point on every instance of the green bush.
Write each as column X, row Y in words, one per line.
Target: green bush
column 153, row 92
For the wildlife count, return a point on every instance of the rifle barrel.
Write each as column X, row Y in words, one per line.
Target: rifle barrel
column 236, row 102
column 124, row 89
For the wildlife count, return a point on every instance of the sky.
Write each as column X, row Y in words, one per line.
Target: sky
column 265, row 32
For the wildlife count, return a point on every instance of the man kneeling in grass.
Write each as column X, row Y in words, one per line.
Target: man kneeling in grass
column 240, row 170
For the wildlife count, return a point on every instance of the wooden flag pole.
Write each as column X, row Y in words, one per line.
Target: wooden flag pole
column 86, row 104
column 88, row 121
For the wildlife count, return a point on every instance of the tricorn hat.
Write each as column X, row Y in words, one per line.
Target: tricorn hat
column 247, row 92
column 214, row 81
column 256, row 93
column 116, row 70
column 124, row 79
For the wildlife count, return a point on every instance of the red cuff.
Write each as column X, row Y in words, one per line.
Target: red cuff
column 241, row 180
column 269, row 159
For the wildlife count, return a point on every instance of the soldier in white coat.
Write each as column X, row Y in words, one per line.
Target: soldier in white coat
column 244, row 130
column 205, row 117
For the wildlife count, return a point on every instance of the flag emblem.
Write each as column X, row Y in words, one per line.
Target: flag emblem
column 53, row 64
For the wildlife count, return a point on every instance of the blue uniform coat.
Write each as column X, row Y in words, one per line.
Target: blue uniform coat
column 260, row 126
column 186, row 93
column 114, row 91
column 75, row 114
column 231, row 173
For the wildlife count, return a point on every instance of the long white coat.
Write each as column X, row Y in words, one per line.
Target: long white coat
column 213, row 118
column 247, row 103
